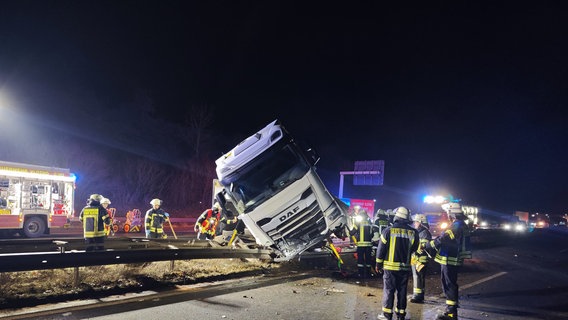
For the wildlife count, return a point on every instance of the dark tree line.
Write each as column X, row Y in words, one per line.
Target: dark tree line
column 129, row 164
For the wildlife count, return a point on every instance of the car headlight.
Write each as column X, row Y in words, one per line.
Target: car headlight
column 507, row 226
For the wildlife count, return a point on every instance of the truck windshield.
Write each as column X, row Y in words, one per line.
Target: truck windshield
column 265, row 176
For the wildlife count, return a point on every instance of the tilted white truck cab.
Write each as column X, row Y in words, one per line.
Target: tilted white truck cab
column 273, row 185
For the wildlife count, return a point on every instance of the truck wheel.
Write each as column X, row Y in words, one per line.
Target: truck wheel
column 115, row 228
column 34, row 227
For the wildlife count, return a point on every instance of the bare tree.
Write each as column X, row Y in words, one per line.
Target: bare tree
column 198, row 123
column 194, row 183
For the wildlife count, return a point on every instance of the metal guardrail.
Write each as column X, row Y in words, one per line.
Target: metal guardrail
column 76, row 243
column 54, row 254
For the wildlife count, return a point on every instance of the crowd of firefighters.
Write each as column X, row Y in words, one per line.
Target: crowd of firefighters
column 98, row 221
column 405, row 245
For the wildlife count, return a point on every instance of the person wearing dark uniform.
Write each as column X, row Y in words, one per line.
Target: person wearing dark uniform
column 451, row 248
column 381, row 220
column 155, row 219
column 420, row 258
column 396, row 245
column 94, row 217
column 362, row 233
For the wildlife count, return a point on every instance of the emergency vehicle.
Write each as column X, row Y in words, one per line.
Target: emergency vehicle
column 34, row 199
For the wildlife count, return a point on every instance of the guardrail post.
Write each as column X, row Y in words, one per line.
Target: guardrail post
column 76, row 277
column 61, row 245
column 172, row 265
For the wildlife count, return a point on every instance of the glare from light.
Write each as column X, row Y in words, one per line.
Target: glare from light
column 434, row 199
column 33, row 175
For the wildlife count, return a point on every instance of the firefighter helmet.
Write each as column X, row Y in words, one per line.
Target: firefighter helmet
column 401, row 213
column 105, row 200
column 156, row 201
column 216, row 207
column 454, row 210
column 381, row 212
column 96, row 197
column 452, row 207
column 363, row 213
column 420, row 218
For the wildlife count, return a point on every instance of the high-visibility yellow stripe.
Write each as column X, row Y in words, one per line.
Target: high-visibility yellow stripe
column 392, row 245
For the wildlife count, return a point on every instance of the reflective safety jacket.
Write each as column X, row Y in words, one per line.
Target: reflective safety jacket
column 425, row 236
column 449, row 244
column 208, row 222
column 396, row 245
column 382, row 222
column 155, row 220
column 94, row 218
column 229, row 222
column 362, row 231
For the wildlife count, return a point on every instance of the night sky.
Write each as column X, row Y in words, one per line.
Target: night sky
column 461, row 98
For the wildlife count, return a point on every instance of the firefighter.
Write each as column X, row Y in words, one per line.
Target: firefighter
column 207, row 222
column 105, row 202
column 362, row 232
column 352, row 216
column 396, row 245
column 450, row 246
column 356, row 210
column 154, row 220
column 94, row 218
column 420, row 258
column 228, row 224
column 381, row 220
column 390, row 215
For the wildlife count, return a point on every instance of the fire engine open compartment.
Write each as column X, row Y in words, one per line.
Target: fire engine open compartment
column 34, row 199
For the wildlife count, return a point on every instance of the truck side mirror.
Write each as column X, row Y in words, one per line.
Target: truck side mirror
column 313, row 156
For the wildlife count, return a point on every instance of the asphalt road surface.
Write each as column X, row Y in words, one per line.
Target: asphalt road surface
column 512, row 276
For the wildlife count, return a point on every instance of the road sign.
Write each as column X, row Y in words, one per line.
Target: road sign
column 369, row 173
column 366, row 173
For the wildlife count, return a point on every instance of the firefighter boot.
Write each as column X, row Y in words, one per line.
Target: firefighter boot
column 450, row 314
column 401, row 316
column 361, row 273
column 384, row 316
column 366, row 273
column 417, row 298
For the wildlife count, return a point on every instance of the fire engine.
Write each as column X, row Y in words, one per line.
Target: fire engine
column 34, row 199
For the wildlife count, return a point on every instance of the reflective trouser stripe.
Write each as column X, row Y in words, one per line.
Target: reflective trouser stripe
column 451, row 302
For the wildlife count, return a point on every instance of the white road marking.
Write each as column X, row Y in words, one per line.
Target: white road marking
column 467, row 286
